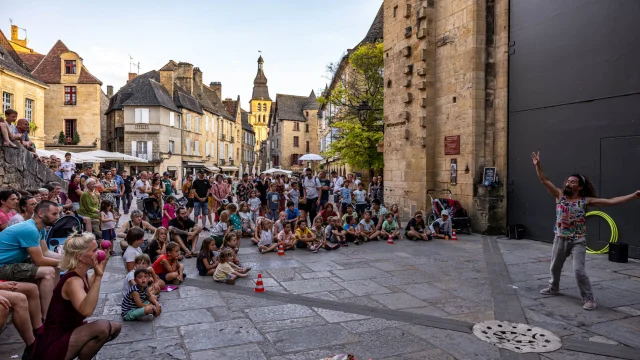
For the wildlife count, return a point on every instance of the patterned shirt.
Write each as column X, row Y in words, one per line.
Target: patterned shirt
column 128, row 303
column 243, row 191
column 571, row 218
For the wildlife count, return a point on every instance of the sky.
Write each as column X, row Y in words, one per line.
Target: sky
column 298, row 38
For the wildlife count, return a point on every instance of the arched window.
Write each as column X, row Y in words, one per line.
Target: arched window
column 259, row 107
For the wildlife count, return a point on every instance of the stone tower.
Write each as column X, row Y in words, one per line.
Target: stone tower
column 260, row 105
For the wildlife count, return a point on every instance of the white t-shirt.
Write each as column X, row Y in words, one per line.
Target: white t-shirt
column 219, row 229
column 140, row 183
column 16, row 219
column 311, row 187
column 254, row 204
column 360, row 196
column 337, row 183
column 71, row 168
column 131, row 253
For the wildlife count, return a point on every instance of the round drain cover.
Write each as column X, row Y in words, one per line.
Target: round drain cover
column 520, row 338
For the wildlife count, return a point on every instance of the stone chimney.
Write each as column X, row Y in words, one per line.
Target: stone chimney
column 109, row 91
column 167, row 79
column 131, row 77
column 197, row 79
column 184, row 76
column 217, row 88
column 14, row 33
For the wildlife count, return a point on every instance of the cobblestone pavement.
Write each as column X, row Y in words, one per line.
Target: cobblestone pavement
column 404, row 301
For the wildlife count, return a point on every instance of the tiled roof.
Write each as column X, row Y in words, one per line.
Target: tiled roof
column 12, row 62
column 245, row 121
column 184, row 100
column 230, row 106
column 219, row 109
column 145, row 90
column 291, row 107
column 31, row 59
column 50, row 67
column 375, row 32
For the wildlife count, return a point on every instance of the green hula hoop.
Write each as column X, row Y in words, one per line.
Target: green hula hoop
column 614, row 232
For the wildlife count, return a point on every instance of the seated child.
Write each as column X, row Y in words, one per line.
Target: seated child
column 248, row 226
column 139, row 302
column 333, row 232
column 231, row 242
column 442, row 228
column 349, row 212
column 318, row 230
column 293, row 215
column 143, row 262
column 221, row 229
column 305, row 238
column 225, row 272
column 351, row 230
column 135, row 238
column 206, row 262
column 167, row 266
column 368, row 229
column 278, row 226
column 234, row 219
column 389, row 227
column 264, row 236
column 286, row 238
column 417, row 229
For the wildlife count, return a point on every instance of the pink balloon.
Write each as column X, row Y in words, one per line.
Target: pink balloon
column 101, row 255
column 105, row 244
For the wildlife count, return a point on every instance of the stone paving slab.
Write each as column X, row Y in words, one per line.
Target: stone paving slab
column 279, row 325
column 180, row 318
column 280, row 312
column 161, row 348
column 625, row 331
column 219, row 335
column 312, row 285
column 243, row 352
column 398, row 301
column 364, row 287
column 311, row 338
column 333, row 316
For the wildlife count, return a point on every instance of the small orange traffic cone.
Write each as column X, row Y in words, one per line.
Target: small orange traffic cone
column 390, row 241
column 281, row 250
column 453, row 236
column 259, row 285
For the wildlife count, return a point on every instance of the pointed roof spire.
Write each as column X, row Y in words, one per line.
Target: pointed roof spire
column 311, row 103
column 260, row 88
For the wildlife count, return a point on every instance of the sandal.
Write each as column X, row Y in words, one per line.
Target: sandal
column 188, row 255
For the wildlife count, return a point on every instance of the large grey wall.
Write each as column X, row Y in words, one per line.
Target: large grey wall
column 574, row 95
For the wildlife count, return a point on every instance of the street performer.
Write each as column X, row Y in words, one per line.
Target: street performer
column 571, row 229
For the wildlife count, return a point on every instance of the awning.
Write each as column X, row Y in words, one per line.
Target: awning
column 75, row 157
column 194, row 164
column 212, row 168
column 228, row 168
column 115, row 156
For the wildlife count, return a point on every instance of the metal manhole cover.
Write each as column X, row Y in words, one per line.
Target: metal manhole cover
column 520, row 338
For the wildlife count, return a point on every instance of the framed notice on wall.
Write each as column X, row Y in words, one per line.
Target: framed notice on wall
column 452, row 145
column 489, row 176
column 454, row 171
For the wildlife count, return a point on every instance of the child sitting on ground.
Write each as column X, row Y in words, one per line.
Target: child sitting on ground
column 351, row 230
column 139, row 302
column 158, row 245
column 278, row 226
column 224, row 271
column 318, row 231
column 368, row 229
column 305, row 238
column 206, row 262
column 167, row 266
column 234, row 219
column 248, row 226
column 293, row 215
column 143, row 262
column 349, row 212
column 286, row 238
column 333, row 232
column 135, row 238
column 264, row 236
column 389, row 227
column 442, row 228
column 221, row 229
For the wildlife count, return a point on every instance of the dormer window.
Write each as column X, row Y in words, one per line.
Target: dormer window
column 69, row 66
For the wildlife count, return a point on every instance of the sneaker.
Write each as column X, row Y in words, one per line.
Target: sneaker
column 313, row 249
column 205, row 229
column 589, row 305
column 549, row 291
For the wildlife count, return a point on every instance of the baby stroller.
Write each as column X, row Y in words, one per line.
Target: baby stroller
column 459, row 216
column 61, row 230
column 153, row 211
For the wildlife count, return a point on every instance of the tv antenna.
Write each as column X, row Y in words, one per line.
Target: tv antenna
column 133, row 64
column 23, row 29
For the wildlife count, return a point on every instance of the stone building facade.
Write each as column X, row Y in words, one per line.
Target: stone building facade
column 21, row 90
column 446, row 104
column 260, row 107
column 73, row 100
column 293, row 130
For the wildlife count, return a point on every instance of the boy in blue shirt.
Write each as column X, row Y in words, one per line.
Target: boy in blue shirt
column 273, row 199
column 345, row 195
column 292, row 214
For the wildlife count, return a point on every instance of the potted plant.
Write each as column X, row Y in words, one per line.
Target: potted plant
column 76, row 138
column 61, row 139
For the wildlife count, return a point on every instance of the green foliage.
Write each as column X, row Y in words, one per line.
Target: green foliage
column 358, row 134
column 32, row 127
column 62, row 140
column 76, row 138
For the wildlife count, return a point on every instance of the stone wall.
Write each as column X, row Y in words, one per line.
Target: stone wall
column 445, row 75
column 19, row 170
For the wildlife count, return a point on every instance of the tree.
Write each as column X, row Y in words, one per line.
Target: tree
column 358, row 133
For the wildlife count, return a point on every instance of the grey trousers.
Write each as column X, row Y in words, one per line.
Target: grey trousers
column 577, row 249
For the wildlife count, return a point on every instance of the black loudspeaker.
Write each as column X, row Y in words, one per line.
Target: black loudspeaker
column 516, row 232
column 619, row 252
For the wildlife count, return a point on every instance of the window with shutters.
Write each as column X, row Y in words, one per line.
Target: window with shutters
column 179, row 121
column 69, row 66
column 296, row 141
column 206, row 148
column 142, row 116
column 172, row 119
column 213, row 150
column 172, row 146
column 296, row 126
column 197, row 124
column 6, row 101
column 188, row 122
column 196, row 147
column 187, row 143
column 221, row 151
column 70, row 95
column 206, row 123
column 28, row 109
column 141, row 149
column 294, row 159
column 307, row 148
column 306, row 127
column 70, row 128
column 230, row 151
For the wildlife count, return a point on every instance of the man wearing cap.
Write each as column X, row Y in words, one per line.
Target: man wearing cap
column 67, row 167
column 442, row 228
column 200, row 190
column 244, row 188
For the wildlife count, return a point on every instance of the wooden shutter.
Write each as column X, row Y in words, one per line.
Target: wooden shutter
column 149, row 150
column 134, row 149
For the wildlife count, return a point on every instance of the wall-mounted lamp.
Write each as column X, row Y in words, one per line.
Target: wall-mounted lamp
column 466, row 169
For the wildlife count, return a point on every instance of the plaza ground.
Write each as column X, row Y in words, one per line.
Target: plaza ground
column 410, row 300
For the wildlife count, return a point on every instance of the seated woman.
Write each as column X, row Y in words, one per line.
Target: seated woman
column 65, row 335
column 327, row 213
column 136, row 221
column 442, row 228
column 417, row 229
